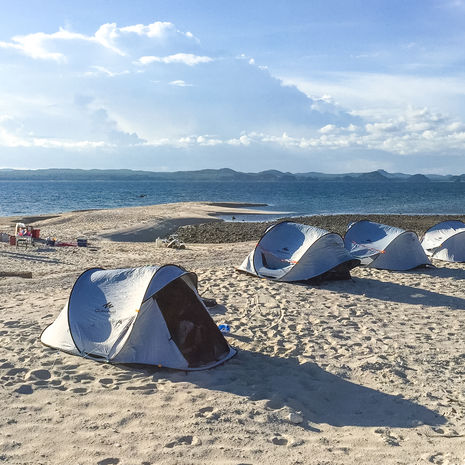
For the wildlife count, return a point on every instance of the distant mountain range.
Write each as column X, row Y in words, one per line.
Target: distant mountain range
column 224, row 175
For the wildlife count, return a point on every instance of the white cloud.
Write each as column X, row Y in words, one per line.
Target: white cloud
column 241, row 140
column 69, row 144
column 378, row 95
column 184, row 58
column 208, row 141
column 83, row 125
column 34, row 45
column 243, row 105
column 180, row 83
column 391, row 137
column 157, row 29
column 37, row 45
column 106, row 36
column 10, row 139
column 102, row 71
column 381, row 128
column 328, row 128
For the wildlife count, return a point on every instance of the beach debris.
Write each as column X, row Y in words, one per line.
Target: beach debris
column 16, row 274
column 224, row 328
column 295, row 418
column 50, row 241
column 172, row 242
column 81, row 242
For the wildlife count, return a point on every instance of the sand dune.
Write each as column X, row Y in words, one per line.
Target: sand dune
column 369, row 370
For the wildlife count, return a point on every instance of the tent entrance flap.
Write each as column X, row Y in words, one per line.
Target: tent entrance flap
column 191, row 327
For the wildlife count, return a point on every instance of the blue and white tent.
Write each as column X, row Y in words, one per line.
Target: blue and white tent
column 384, row 247
column 446, row 241
column 149, row 315
column 291, row 251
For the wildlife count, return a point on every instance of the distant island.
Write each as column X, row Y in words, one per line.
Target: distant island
column 218, row 175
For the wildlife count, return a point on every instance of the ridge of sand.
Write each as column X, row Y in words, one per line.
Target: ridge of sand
column 130, row 224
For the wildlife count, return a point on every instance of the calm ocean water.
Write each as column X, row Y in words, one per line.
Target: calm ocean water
column 31, row 198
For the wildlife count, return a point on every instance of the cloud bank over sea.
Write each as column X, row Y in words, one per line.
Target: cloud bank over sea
column 155, row 95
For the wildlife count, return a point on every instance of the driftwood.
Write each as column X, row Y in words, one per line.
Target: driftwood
column 16, row 274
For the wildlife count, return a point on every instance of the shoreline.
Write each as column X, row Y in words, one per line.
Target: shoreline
column 197, row 222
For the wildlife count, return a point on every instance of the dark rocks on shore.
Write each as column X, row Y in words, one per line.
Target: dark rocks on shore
column 218, row 232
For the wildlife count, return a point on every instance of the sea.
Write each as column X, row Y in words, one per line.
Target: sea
column 28, row 198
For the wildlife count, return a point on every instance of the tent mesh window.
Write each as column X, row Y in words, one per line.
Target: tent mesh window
column 190, row 325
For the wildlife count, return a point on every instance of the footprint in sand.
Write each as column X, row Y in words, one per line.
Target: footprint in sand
column 24, row 389
column 184, row 441
column 15, row 371
column 42, row 375
column 441, row 459
column 79, row 390
column 109, row 461
column 148, row 388
column 388, row 437
column 106, row 382
column 83, row 378
column 279, row 440
column 204, row 412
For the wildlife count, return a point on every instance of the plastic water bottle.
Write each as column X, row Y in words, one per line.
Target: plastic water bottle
column 224, row 328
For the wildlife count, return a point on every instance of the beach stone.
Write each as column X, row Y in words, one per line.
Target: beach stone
column 224, row 232
column 295, row 418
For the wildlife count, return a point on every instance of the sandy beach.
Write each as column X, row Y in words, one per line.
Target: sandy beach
column 368, row 370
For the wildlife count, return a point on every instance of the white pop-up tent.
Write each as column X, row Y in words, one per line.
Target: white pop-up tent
column 384, row 247
column 149, row 315
column 446, row 241
column 291, row 251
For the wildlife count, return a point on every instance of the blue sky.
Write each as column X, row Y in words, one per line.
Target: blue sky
column 332, row 86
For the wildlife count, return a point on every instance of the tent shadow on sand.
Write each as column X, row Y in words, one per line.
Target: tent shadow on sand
column 400, row 293
column 441, row 272
column 33, row 258
column 322, row 397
